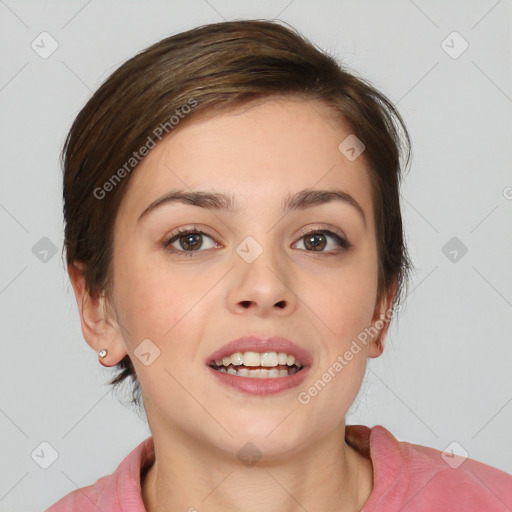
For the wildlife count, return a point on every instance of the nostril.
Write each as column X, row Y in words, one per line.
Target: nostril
column 247, row 303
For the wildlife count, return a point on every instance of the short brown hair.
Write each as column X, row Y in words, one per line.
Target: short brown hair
column 220, row 66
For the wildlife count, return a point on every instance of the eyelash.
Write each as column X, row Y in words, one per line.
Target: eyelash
column 343, row 243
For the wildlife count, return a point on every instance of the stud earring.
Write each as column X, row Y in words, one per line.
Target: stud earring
column 102, row 353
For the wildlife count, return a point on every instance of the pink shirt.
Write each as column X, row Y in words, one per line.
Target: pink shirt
column 407, row 478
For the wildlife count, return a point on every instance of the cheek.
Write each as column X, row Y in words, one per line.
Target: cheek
column 149, row 303
column 162, row 302
column 347, row 298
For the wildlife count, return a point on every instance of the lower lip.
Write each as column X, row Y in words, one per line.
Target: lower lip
column 255, row 386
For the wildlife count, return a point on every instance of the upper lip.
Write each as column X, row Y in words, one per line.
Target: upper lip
column 258, row 343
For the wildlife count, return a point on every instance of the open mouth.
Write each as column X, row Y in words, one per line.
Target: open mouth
column 267, row 365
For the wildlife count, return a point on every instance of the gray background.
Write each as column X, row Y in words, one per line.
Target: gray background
column 445, row 374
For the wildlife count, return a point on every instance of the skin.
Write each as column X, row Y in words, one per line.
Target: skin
column 190, row 306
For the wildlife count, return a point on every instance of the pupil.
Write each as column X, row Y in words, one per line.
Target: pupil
column 190, row 240
column 311, row 241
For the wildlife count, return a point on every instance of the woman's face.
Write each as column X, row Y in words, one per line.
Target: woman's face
column 249, row 272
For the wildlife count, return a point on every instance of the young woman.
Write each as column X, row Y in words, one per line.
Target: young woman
column 234, row 240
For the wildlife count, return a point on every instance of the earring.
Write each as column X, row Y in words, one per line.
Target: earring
column 102, row 353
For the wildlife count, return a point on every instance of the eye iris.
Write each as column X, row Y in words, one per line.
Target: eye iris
column 310, row 239
column 191, row 241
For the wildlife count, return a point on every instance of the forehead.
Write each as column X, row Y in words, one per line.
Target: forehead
column 258, row 153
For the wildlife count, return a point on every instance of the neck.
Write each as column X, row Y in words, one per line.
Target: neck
column 328, row 475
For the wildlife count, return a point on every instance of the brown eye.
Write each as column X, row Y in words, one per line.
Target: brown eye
column 188, row 241
column 315, row 241
column 318, row 240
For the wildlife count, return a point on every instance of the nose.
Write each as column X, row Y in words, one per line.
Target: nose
column 262, row 287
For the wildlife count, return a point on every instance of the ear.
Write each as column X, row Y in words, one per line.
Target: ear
column 381, row 319
column 100, row 329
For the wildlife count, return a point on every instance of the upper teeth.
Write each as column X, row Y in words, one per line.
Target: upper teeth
column 256, row 359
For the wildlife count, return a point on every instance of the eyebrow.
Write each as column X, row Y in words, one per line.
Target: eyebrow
column 306, row 198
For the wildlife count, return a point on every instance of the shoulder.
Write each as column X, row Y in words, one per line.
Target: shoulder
column 84, row 499
column 116, row 492
column 420, row 478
